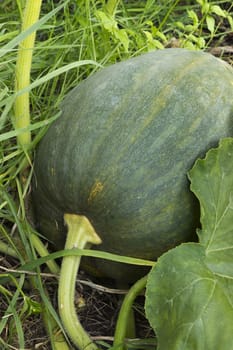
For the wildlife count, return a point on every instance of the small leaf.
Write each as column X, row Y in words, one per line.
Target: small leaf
column 151, row 42
column 218, row 11
column 106, row 20
column 210, row 21
column 160, row 35
column 122, row 36
column 205, row 7
column 190, row 28
column 179, row 25
column 189, row 45
column 193, row 16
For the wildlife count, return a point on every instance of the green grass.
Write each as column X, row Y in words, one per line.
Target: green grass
column 71, row 44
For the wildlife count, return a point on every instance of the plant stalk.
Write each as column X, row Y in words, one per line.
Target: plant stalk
column 125, row 313
column 23, row 71
column 57, row 339
column 80, row 233
column 42, row 251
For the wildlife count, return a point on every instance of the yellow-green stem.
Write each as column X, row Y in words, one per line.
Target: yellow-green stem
column 80, row 233
column 125, row 313
column 42, row 251
column 57, row 339
column 23, row 71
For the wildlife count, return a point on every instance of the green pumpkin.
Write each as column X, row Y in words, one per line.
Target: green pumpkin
column 120, row 151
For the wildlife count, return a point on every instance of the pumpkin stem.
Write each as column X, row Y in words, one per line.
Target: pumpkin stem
column 126, row 313
column 80, row 233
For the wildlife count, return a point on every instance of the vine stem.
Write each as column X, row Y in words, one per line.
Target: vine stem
column 125, row 313
column 23, row 71
column 80, row 233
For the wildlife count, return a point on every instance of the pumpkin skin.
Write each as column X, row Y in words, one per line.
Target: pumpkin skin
column 120, row 151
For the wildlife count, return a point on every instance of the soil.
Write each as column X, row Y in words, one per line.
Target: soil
column 97, row 304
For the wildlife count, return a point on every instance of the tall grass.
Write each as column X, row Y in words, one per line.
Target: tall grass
column 74, row 39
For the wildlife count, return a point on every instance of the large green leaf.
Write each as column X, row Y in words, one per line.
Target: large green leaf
column 189, row 297
column 189, row 307
column 212, row 183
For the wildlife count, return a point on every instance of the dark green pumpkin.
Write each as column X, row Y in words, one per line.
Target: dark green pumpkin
column 120, row 151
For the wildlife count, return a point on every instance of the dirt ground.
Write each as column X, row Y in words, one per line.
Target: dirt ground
column 97, row 304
